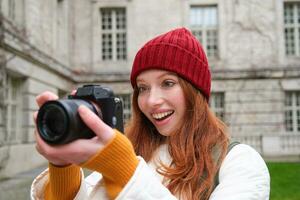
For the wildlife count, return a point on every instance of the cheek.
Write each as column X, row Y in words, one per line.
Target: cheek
column 141, row 103
column 181, row 102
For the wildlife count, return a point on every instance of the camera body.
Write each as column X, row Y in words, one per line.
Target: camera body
column 58, row 122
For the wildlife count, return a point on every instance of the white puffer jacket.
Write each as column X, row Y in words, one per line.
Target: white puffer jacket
column 243, row 176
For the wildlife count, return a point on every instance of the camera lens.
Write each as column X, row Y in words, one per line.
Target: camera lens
column 54, row 121
column 58, row 122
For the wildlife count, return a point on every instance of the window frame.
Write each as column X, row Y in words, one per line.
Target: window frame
column 114, row 31
column 14, row 128
column 204, row 30
column 293, row 109
column 295, row 27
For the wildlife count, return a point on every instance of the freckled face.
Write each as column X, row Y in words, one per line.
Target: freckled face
column 161, row 99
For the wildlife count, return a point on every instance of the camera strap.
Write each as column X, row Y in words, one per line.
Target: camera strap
column 230, row 146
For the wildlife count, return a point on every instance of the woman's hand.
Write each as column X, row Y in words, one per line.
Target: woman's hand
column 78, row 151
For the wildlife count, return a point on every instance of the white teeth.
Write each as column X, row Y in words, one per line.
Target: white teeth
column 161, row 115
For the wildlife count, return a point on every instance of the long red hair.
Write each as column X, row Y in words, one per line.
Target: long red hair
column 197, row 149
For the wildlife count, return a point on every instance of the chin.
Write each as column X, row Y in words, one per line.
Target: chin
column 165, row 132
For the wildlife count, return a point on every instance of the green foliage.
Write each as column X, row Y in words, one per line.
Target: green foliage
column 285, row 181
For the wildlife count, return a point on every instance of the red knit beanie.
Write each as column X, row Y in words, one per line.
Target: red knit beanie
column 176, row 51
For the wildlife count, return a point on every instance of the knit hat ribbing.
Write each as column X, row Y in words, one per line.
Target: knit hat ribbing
column 176, row 51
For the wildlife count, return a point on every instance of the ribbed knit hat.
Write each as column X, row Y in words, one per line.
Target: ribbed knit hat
column 176, row 51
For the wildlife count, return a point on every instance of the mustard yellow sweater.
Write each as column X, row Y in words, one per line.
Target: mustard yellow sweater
column 116, row 162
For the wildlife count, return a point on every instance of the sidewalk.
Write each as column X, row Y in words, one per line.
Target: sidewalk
column 18, row 187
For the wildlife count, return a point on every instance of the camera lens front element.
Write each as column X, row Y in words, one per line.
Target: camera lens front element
column 54, row 122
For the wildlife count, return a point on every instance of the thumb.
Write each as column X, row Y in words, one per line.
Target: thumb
column 102, row 130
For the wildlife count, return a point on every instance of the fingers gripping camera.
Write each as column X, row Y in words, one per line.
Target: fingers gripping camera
column 58, row 122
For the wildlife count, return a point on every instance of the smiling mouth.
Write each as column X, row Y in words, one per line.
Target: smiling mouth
column 162, row 116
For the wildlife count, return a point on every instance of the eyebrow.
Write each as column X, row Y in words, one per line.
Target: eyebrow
column 164, row 74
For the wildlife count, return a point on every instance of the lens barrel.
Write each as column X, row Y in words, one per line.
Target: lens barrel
column 58, row 122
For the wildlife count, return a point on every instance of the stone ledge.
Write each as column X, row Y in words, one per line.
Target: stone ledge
column 262, row 73
column 283, row 158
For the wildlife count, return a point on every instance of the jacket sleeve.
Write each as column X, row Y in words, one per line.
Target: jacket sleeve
column 243, row 175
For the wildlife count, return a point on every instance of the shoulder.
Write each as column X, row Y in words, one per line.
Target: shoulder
column 243, row 175
column 243, row 155
column 242, row 149
column 245, row 160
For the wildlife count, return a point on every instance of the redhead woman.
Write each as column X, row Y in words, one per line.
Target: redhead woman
column 174, row 147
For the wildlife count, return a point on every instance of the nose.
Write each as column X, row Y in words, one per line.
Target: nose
column 155, row 97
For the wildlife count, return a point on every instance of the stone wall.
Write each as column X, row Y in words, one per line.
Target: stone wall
column 27, row 54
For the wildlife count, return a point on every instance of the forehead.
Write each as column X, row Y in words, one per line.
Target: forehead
column 154, row 73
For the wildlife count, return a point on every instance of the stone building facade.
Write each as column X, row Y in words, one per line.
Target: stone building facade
column 253, row 49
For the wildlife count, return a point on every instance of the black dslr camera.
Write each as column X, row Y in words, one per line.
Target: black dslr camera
column 58, row 122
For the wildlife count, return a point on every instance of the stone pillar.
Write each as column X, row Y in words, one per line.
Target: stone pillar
column 4, row 154
column 2, row 84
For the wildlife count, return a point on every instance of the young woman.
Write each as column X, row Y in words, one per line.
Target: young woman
column 175, row 146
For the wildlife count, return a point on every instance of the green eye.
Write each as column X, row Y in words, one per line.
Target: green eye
column 141, row 89
column 168, row 83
